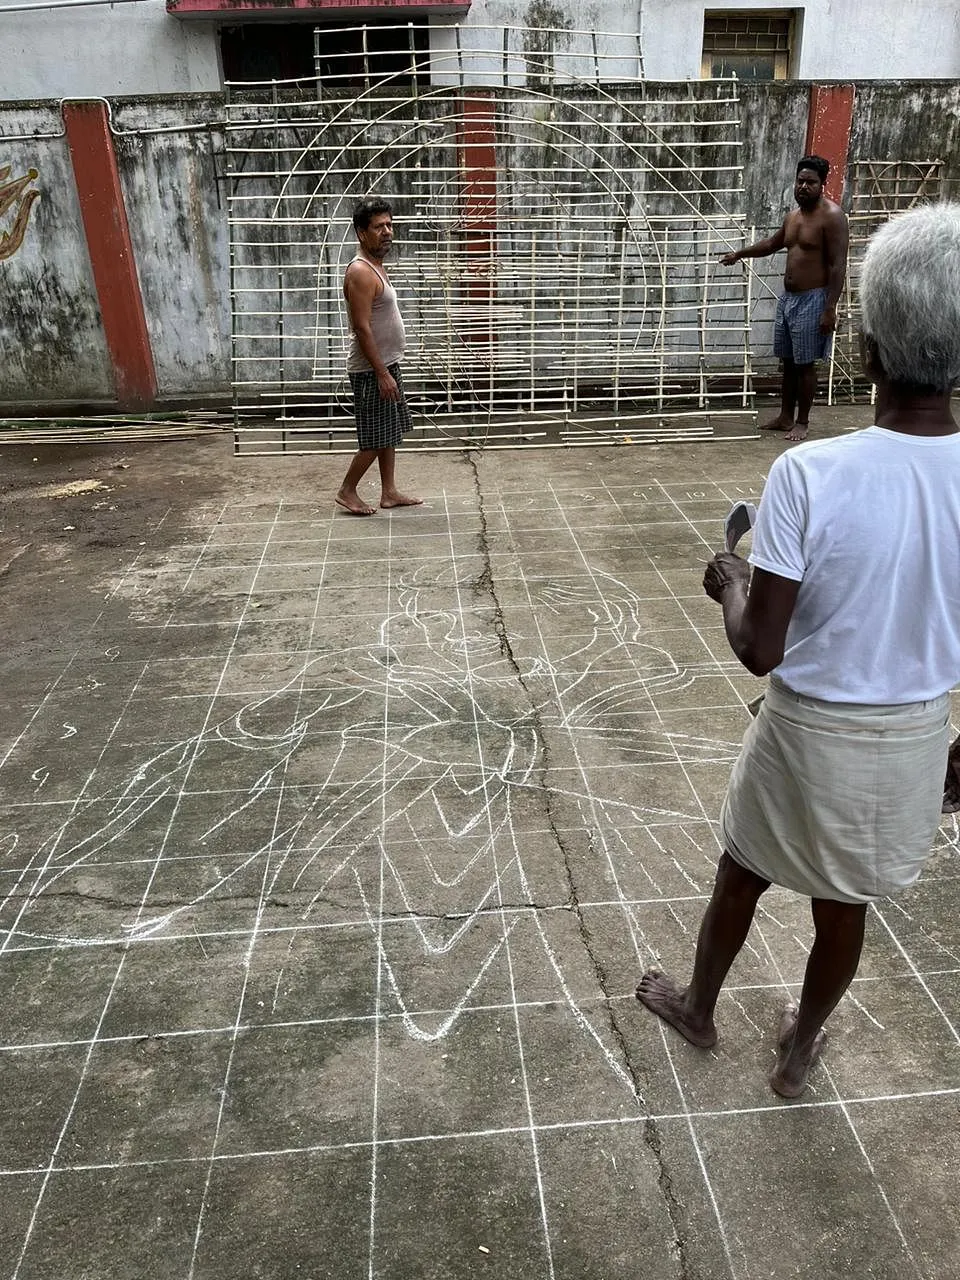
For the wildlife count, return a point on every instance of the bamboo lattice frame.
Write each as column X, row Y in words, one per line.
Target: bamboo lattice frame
column 558, row 224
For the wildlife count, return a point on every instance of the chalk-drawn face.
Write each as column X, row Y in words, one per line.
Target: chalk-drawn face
column 377, row 238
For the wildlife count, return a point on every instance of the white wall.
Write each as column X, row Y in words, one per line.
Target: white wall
column 138, row 49
column 104, row 51
column 841, row 39
column 893, row 40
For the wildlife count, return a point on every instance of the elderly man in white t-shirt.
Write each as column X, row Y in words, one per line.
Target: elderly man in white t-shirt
column 853, row 608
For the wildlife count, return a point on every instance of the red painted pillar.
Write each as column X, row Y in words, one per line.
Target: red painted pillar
column 479, row 168
column 828, row 131
column 111, row 252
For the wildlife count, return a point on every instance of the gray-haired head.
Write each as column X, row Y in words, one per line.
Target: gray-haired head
column 910, row 297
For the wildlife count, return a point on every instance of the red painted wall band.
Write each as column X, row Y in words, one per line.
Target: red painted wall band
column 478, row 160
column 829, row 122
column 111, row 252
column 227, row 9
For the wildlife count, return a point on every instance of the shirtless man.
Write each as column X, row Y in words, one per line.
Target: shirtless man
column 377, row 340
column 815, row 238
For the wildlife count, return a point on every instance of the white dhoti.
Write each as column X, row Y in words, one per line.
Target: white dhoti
column 837, row 800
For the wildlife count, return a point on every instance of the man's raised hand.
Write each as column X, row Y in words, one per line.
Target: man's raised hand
column 722, row 571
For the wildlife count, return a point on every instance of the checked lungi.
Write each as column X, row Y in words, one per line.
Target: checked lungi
column 381, row 424
column 796, row 330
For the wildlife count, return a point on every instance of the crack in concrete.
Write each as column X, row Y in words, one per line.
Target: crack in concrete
column 106, row 900
column 485, row 583
column 450, row 917
column 671, row 1200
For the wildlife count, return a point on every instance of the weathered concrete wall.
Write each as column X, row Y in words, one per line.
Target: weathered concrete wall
column 169, row 155
column 896, row 121
column 50, row 333
column 176, row 210
column 50, row 329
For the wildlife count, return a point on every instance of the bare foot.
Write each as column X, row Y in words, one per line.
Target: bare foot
column 396, row 499
column 352, row 502
column 779, row 423
column 799, row 432
column 790, row 1075
column 668, row 1001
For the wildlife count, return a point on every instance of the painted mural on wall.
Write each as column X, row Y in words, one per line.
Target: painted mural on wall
column 20, row 195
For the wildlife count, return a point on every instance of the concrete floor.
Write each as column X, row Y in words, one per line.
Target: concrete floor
column 331, row 851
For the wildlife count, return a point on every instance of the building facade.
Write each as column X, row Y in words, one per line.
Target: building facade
column 137, row 47
column 129, row 189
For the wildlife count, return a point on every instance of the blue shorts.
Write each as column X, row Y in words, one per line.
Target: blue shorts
column 796, row 330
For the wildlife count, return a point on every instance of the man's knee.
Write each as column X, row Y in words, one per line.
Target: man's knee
column 838, row 917
column 738, row 881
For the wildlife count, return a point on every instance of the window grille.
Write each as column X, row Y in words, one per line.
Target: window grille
column 754, row 46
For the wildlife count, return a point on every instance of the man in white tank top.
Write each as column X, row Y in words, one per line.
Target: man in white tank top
column 853, row 609
column 373, row 363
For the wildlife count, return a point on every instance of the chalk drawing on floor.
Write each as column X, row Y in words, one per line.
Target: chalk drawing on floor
column 425, row 786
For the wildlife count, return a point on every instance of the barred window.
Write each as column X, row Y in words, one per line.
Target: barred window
column 752, row 46
column 338, row 52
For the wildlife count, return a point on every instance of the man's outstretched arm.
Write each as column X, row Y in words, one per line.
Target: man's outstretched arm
column 761, row 249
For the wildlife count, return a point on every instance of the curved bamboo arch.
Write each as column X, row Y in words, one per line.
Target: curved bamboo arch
column 377, row 138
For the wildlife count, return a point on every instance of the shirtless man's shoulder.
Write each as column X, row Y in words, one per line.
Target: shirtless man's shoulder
column 831, row 211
